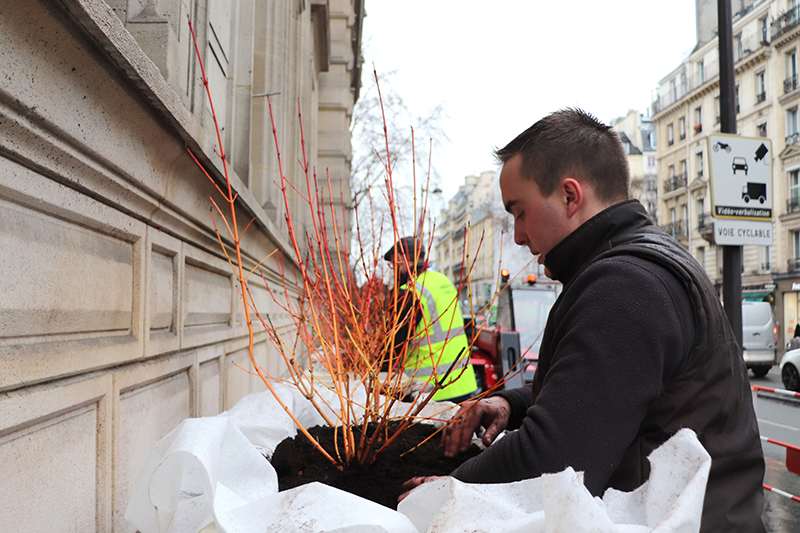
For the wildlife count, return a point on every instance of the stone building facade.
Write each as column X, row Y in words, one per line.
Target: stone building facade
column 638, row 136
column 766, row 41
column 119, row 315
column 475, row 236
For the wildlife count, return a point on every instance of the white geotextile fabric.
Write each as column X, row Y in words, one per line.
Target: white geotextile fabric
column 212, row 470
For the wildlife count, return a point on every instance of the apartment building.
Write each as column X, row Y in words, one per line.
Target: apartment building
column 638, row 135
column 766, row 39
column 119, row 314
column 475, row 239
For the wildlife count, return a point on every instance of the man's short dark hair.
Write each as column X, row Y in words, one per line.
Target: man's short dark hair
column 572, row 141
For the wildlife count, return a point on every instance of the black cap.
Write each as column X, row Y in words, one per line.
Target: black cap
column 405, row 244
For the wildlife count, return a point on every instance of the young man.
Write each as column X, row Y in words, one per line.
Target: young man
column 432, row 343
column 636, row 347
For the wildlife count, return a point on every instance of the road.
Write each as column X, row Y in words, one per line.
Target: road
column 778, row 419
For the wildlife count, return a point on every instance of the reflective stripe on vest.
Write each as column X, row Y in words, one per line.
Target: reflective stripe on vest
column 439, row 343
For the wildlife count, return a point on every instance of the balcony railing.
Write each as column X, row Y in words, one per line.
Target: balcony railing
column 766, row 267
column 679, row 228
column 790, row 84
column 705, row 222
column 674, row 183
column 761, row 97
column 683, row 136
column 685, row 83
column 793, row 205
column 793, row 264
column 792, row 138
column 785, row 22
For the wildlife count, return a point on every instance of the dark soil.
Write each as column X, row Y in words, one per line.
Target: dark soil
column 297, row 462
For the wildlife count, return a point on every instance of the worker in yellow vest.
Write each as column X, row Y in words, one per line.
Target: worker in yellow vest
column 438, row 349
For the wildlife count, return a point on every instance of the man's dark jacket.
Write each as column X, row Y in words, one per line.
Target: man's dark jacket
column 636, row 347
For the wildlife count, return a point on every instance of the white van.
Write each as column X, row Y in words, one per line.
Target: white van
column 759, row 336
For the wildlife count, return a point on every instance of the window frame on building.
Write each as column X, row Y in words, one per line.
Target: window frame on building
column 761, row 85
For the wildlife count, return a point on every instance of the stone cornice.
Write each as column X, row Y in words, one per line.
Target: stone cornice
column 786, row 38
column 753, row 59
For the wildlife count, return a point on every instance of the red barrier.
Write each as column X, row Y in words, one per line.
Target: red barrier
column 792, row 455
column 782, row 493
column 776, row 391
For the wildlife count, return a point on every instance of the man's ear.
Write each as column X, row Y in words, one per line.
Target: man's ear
column 573, row 195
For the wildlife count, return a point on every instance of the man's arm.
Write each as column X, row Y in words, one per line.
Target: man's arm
column 622, row 330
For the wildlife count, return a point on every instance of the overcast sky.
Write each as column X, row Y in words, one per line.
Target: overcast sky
column 497, row 67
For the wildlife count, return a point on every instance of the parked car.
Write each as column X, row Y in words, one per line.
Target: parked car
column 789, row 373
column 759, row 336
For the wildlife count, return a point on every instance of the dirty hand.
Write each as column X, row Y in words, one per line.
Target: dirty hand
column 491, row 413
column 415, row 482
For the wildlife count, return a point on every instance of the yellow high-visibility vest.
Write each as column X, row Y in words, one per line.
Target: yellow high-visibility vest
column 439, row 343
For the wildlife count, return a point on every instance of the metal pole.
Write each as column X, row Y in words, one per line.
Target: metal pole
column 731, row 255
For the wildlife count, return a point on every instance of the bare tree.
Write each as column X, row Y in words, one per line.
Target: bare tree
column 412, row 141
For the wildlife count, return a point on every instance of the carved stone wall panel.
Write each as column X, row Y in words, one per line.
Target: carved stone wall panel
column 62, row 433
column 163, row 317
column 72, row 280
column 153, row 398
column 237, row 382
column 209, row 388
column 54, row 259
column 208, row 298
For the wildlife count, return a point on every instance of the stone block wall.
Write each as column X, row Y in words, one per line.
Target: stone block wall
column 119, row 315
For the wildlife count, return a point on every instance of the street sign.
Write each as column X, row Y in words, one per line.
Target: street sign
column 740, row 232
column 741, row 177
column 741, row 189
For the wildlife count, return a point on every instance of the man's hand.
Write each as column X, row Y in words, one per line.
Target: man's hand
column 415, row 482
column 491, row 413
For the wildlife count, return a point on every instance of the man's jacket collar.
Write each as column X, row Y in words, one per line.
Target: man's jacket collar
column 593, row 237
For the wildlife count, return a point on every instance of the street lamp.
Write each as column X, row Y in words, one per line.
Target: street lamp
column 424, row 192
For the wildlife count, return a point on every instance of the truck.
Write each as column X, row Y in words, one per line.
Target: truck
column 510, row 346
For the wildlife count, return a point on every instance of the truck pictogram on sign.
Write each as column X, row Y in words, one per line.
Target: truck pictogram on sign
column 754, row 191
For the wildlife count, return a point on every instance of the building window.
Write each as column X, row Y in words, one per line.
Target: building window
column 737, row 43
column 762, row 24
column 670, row 134
column 795, row 236
column 699, row 161
column 682, row 127
column 791, row 126
column 684, row 170
column 701, row 71
column 736, row 96
column 761, row 86
column 716, row 108
column 672, row 171
column 793, row 200
column 790, row 83
column 761, row 130
column 701, row 257
column 763, row 252
column 698, row 119
column 651, row 161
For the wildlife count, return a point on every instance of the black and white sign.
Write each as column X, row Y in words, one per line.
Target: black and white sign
column 741, row 176
column 741, row 189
